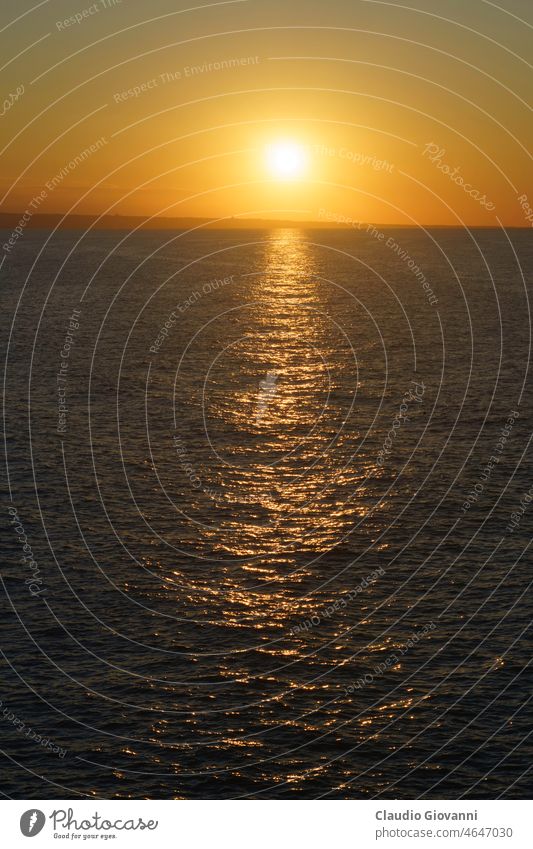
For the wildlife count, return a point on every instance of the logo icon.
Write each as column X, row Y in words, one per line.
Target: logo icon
column 32, row 822
column 267, row 390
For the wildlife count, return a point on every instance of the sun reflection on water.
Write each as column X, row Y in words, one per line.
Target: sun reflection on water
column 275, row 386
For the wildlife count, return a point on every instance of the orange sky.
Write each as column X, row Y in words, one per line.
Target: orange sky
column 185, row 103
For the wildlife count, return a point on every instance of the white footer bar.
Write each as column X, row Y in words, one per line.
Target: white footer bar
column 503, row 824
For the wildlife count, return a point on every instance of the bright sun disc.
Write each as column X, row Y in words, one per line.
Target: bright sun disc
column 286, row 160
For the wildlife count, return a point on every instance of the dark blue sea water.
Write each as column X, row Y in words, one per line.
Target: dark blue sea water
column 274, row 488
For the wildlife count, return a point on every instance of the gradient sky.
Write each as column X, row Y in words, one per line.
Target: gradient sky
column 362, row 85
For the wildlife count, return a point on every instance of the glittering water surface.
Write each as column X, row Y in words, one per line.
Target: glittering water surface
column 258, row 575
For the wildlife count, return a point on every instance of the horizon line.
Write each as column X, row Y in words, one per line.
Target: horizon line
column 66, row 219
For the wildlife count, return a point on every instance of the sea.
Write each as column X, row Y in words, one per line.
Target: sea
column 267, row 514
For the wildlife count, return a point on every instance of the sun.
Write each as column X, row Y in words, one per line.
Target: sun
column 286, row 160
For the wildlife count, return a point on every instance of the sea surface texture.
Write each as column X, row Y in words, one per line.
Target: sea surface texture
column 267, row 515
